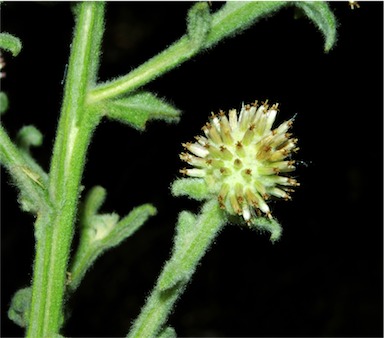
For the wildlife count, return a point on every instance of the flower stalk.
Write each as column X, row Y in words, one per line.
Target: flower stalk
column 194, row 236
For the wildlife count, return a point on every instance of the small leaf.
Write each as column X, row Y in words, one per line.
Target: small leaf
column 129, row 225
column 138, row 108
column 322, row 16
column 102, row 225
column 195, row 188
column 30, row 177
column 236, row 16
column 185, row 226
column 271, row 225
column 10, row 43
column 20, row 305
column 100, row 232
column 93, row 201
column 3, row 103
column 168, row 332
column 29, row 136
column 27, row 204
column 199, row 23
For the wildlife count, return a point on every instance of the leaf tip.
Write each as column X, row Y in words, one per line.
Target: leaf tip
column 10, row 43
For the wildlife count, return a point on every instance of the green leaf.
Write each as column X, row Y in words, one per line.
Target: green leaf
column 168, row 332
column 129, row 225
column 195, row 188
column 322, row 16
column 270, row 225
column 236, row 16
column 26, row 174
column 10, row 43
column 185, row 226
column 20, row 305
column 3, row 103
column 93, row 201
column 199, row 23
column 138, row 108
column 102, row 225
column 100, row 232
column 29, row 136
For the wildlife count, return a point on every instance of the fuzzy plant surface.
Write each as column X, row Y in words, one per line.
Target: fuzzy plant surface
column 240, row 162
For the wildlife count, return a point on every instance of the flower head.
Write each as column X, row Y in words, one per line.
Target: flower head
column 243, row 160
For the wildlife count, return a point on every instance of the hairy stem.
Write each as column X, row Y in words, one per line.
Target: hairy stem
column 226, row 22
column 73, row 136
column 190, row 247
column 163, row 62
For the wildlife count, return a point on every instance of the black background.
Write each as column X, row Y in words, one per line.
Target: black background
column 324, row 277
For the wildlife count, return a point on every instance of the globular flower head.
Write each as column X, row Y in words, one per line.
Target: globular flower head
column 243, row 160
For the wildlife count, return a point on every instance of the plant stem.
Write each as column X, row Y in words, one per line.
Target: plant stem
column 232, row 18
column 72, row 140
column 178, row 270
column 161, row 63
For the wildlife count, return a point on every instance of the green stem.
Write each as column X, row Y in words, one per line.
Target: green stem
column 226, row 22
column 161, row 63
column 189, row 248
column 73, row 137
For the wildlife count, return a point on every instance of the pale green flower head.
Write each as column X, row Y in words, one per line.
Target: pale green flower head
column 243, row 160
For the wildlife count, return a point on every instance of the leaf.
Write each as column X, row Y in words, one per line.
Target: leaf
column 199, row 23
column 20, row 305
column 10, row 43
column 129, row 224
column 271, row 225
column 195, row 188
column 102, row 225
column 108, row 229
column 168, row 332
column 93, row 201
column 322, row 16
column 100, row 232
column 138, row 108
column 29, row 136
column 3, row 103
column 185, row 226
column 236, row 16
